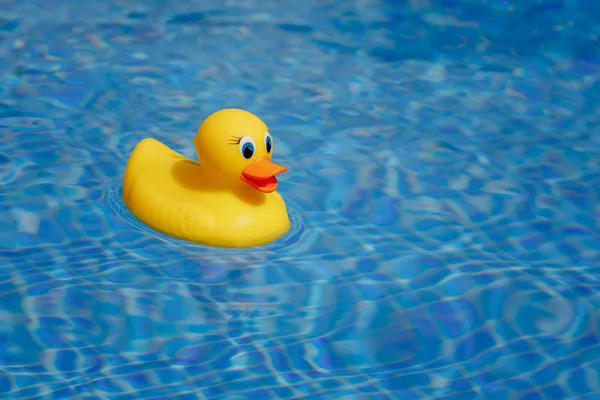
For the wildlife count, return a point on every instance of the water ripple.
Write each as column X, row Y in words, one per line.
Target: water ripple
column 443, row 191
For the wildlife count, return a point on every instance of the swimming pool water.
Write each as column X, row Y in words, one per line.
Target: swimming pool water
column 444, row 174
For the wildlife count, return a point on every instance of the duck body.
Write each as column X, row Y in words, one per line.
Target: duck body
column 232, row 206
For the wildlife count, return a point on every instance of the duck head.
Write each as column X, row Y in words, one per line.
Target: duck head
column 235, row 147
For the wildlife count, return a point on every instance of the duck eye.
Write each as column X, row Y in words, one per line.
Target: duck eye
column 268, row 141
column 247, row 147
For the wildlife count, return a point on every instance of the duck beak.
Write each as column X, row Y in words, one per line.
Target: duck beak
column 261, row 175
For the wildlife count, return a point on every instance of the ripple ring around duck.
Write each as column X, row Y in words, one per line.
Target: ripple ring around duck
column 226, row 199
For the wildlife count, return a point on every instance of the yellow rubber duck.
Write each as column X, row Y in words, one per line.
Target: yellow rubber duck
column 227, row 199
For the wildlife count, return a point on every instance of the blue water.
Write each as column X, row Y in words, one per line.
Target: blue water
column 444, row 175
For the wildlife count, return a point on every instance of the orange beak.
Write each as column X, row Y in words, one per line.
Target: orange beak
column 261, row 175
